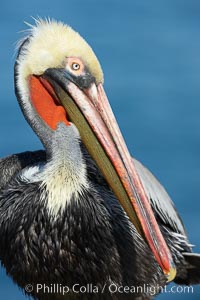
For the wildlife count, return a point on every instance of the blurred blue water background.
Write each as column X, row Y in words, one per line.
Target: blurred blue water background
column 150, row 53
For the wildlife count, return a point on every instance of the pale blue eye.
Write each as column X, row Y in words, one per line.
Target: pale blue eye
column 75, row 66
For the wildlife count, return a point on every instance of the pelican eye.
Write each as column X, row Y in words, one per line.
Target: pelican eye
column 75, row 66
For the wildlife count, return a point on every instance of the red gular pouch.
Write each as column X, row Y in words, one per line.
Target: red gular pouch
column 46, row 103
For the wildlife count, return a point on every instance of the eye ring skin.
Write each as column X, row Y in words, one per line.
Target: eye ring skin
column 70, row 64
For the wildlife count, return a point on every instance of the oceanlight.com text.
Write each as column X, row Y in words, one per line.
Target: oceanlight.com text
column 111, row 288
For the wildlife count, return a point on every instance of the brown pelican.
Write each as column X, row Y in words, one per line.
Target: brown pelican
column 82, row 213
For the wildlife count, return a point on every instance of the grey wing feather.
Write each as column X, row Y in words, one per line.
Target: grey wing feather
column 11, row 165
column 160, row 200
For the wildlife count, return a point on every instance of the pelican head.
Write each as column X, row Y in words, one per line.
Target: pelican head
column 58, row 79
